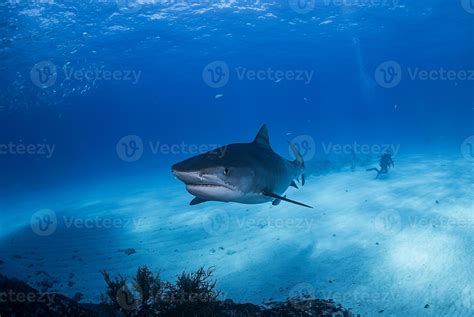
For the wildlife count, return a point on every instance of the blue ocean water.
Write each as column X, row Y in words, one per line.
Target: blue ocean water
column 170, row 44
column 100, row 98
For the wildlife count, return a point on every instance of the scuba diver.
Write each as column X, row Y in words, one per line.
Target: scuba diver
column 385, row 163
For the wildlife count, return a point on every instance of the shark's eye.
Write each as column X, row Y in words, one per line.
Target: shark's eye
column 226, row 171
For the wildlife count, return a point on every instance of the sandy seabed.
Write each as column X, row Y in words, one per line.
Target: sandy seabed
column 398, row 246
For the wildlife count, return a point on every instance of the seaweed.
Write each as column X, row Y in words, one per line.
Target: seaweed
column 195, row 294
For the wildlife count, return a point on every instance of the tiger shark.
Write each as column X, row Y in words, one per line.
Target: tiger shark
column 247, row 173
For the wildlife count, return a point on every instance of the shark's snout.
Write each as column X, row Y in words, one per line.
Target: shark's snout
column 188, row 177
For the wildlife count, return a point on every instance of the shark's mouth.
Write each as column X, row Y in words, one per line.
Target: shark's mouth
column 196, row 180
column 209, row 185
column 212, row 191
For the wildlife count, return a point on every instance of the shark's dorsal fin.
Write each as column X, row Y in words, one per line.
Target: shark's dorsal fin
column 197, row 200
column 262, row 137
column 273, row 195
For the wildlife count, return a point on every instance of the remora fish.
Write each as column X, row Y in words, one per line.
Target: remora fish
column 247, row 173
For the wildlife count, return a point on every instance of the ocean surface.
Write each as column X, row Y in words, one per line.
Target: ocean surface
column 99, row 99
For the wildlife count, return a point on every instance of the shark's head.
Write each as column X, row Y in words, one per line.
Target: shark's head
column 216, row 175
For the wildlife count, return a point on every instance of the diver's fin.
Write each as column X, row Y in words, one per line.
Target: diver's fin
column 273, row 195
column 294, row 184
column 299, row 158
column 298, row 162
column 262, row 137
column 277, row 201
column 197, row 200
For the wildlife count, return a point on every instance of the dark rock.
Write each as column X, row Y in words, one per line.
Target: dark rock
column 39, row 304
column 427, row 306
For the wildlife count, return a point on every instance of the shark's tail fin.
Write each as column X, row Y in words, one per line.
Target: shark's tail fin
column 298, row 162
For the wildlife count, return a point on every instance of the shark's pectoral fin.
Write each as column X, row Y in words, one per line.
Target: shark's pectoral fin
column 197, row 200
column 273, row 195
column 294, row 184
column 277, row 201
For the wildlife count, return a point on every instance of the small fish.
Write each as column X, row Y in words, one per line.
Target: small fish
column 218, row 96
